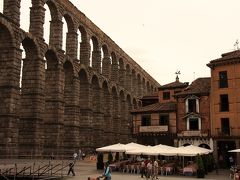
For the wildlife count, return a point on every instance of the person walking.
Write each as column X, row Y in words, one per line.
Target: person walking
column 71, row 168
column 155, row 170
column 143, row 169
column 75, row 156
column 231, row 161
column 149, row 170
column 79, row 154
column 107, row 172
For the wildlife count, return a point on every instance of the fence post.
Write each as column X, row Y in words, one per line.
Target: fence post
column 33, row 171
column 14, row 177
column 38, row 169
column 62, row 169
column 51, row 168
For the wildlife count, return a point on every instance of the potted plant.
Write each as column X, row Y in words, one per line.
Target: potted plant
column 205, row 163
column 200, row 171
column 211, row 163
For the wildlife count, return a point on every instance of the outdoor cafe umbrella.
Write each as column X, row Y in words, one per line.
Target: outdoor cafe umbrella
column 132, row 145
column 161, row 149
column 234, row 150
column 190, row 150
column 140, row 150
column 120, row 147
column 173, row 152
column 113, row 148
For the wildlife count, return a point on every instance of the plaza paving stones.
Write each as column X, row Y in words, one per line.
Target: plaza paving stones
column 85, row 169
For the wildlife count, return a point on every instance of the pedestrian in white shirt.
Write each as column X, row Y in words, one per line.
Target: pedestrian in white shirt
column 155, row 170
column 149, row 169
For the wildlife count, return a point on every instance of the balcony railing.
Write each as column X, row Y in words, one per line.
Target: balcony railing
column 142, row 129
column 224, row 132
column 190, row 133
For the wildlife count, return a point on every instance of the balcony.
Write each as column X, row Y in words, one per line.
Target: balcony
column 198, row 133
column 225, row 132
column 153, row 129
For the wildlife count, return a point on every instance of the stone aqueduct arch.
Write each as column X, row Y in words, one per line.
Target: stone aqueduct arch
column 63, row 103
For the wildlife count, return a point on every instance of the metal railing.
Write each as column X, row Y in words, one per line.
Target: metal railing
column 2, row 175
column 224, row 132
column 47, row 169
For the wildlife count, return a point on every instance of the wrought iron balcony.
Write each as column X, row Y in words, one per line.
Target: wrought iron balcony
column 226, row 132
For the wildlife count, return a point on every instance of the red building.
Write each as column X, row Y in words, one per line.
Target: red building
column 205, row 113
column 155, row 122
column 193, row 114
column 225, row 104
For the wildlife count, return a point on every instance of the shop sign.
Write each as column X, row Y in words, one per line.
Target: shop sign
column 153, row 128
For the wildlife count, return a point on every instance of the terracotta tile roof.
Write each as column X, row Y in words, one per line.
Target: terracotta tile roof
column 227, row 58
column 151, row 96
column 199, row 86
column 157, row 107
column 175, row 84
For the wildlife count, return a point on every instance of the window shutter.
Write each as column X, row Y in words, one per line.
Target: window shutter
column 197, row 105
column 187, row 123
column 199, row 124
column 186, row 105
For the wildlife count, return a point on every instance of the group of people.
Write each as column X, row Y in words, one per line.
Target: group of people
column 107, row 170
column 79, row 156
column 149, row 169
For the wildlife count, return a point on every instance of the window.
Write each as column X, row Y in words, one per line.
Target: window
column 225, row 128
column 192, row 105
column 224, row 105
column 223, row 79
column 166, row 95
column 164, row 119
column 193, row 123
column 146, row 120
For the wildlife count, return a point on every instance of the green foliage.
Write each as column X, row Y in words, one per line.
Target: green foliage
column 100, row 164
column 211, row 162
column 200, row 171
column 205, row 163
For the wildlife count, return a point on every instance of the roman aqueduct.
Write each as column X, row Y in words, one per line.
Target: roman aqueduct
column 54, row 101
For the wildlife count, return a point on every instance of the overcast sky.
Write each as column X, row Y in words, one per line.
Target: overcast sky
column 166, row 35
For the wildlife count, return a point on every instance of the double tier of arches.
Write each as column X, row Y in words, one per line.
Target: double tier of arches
column 57, row 100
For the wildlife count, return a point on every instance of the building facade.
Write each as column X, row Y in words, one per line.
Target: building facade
column 225, row 104
column 206, row 113
column 193, row 114
column 155, row 122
